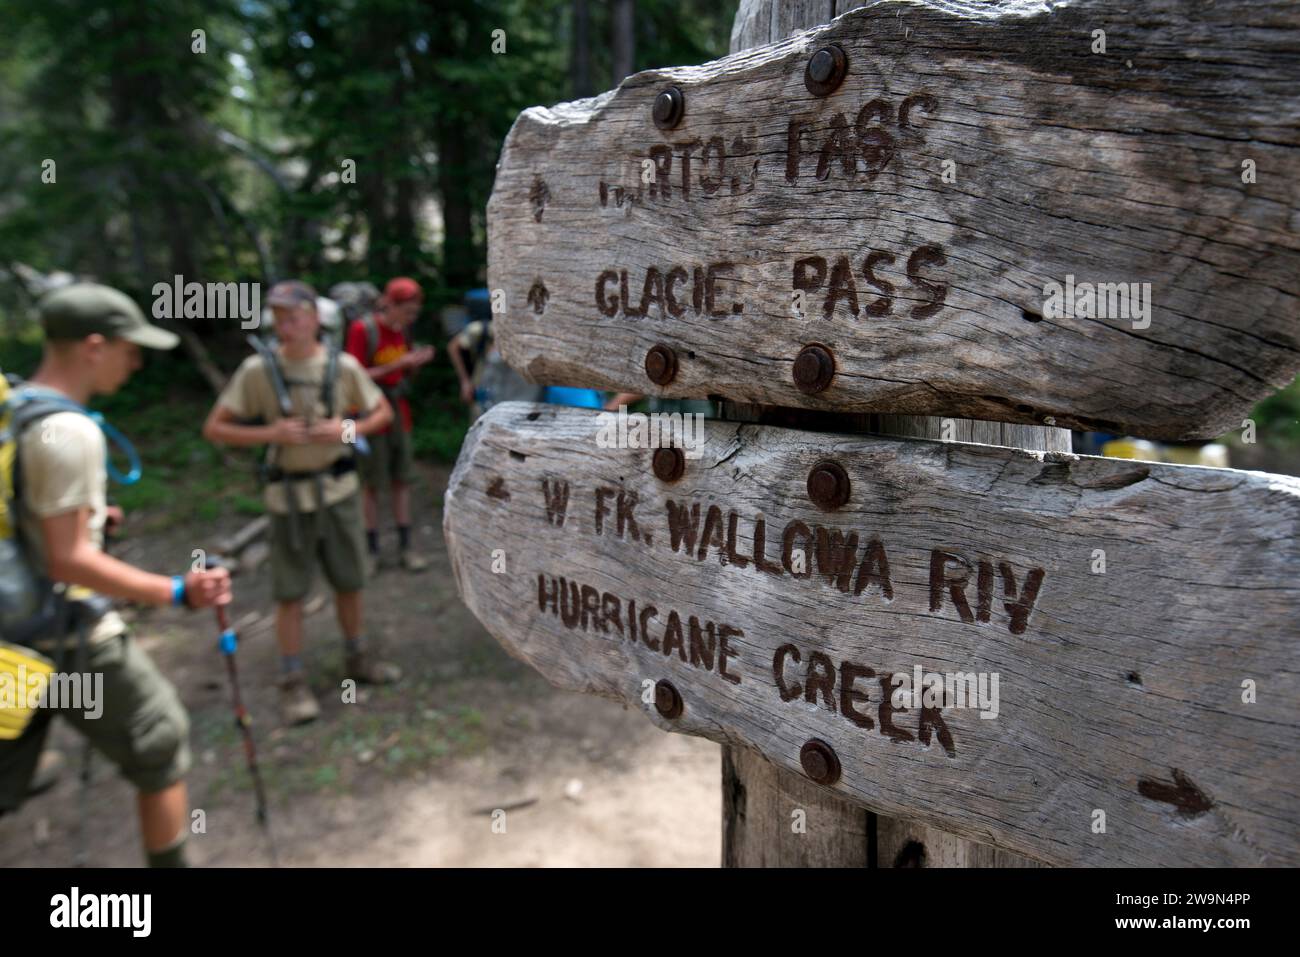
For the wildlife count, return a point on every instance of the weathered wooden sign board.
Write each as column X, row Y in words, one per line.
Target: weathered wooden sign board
column 912, row 217
column 1125, row 608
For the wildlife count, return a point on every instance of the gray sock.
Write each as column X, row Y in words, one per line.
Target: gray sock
column 290, row 663
column 354, row 646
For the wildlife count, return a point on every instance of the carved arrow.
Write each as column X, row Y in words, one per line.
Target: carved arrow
column 1182, row 794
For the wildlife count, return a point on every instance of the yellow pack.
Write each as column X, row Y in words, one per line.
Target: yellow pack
column 24, row 680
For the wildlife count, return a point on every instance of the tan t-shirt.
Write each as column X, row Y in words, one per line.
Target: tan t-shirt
column 250, row 395
column 62, row 462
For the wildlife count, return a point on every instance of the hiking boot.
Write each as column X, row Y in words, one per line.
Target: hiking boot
column 49, row 768
column 297, row 703
column 414, row 561
column 367, row 668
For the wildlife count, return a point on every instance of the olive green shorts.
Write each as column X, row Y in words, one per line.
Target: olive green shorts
column 332, row 536
column 390, row 458
column 134, row 718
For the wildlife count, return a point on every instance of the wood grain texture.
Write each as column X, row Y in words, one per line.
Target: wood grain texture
column 1117, row 168
column 753, row 833
column 1038, row 438
column 1121, row 691
column 908, row 844
column 756, row 832
column 784, row 820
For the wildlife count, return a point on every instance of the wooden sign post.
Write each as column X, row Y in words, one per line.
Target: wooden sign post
column 952, row 209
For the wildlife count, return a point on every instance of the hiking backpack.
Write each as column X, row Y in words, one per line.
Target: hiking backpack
column 280, row 386
column 371, row 326
column 29, row 605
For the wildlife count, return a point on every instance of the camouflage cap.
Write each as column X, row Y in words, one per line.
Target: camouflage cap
column 291, row 292
column 85, row 308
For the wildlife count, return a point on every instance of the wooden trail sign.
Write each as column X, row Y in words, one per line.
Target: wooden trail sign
column 981, row 210
column 1139, row 619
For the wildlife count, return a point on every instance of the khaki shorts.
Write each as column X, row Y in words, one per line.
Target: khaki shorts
column 390, row 458
column 141, row 725
column 333, row 536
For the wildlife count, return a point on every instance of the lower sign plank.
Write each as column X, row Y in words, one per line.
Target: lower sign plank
column 1103, row 653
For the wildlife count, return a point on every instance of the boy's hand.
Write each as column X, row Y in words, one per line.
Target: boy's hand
column 326, row 432
column 113, row 519
column 206, row 588
column 291, row 431
column 418, row 357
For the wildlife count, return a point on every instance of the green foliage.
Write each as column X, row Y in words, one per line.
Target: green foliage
column 227, row 165
column 114, row 95
column 439, row 431
column 21, row 352
column 247, row 504
column 184, row 478
column 440, row 421
column 1277, row 419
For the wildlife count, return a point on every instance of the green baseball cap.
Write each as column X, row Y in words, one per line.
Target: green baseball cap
column 83, row 308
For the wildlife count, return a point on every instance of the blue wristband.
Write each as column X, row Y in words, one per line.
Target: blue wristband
column 178, row 589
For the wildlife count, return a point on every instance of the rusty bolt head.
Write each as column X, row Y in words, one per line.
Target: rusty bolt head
column 661, row 364
column 814, row 368
column 667, row 701
column 669, row 464
column 826, row 69
column 828, row 485
column 669, row 107
column 820, row 761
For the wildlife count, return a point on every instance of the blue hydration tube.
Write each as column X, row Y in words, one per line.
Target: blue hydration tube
column 111, row 435
column 123, row 445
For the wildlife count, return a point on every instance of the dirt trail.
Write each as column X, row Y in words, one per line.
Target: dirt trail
column 406, row 776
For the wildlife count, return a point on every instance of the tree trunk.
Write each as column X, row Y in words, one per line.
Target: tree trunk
column 580, row 52
column 458, row 260
column 622, row 28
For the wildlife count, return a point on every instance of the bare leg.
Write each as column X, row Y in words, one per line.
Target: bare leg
column 297, row 705
column 162, row 816
column 347, row 605
column 370, row 503
column 411, row 559
column 288, row 627
column 362, row 664
column 402, row 503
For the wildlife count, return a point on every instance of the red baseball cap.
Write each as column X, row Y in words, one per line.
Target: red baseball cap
column 402, row 289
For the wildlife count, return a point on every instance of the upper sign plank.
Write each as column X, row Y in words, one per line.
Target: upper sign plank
column 1131, row 628
column 913, row 220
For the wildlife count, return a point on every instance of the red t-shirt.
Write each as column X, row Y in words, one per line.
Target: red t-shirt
column 390, row 347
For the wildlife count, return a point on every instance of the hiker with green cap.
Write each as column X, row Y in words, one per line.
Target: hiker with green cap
column 291, row 399
column 55, row 500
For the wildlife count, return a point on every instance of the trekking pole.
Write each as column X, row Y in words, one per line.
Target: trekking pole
column 228, row 644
